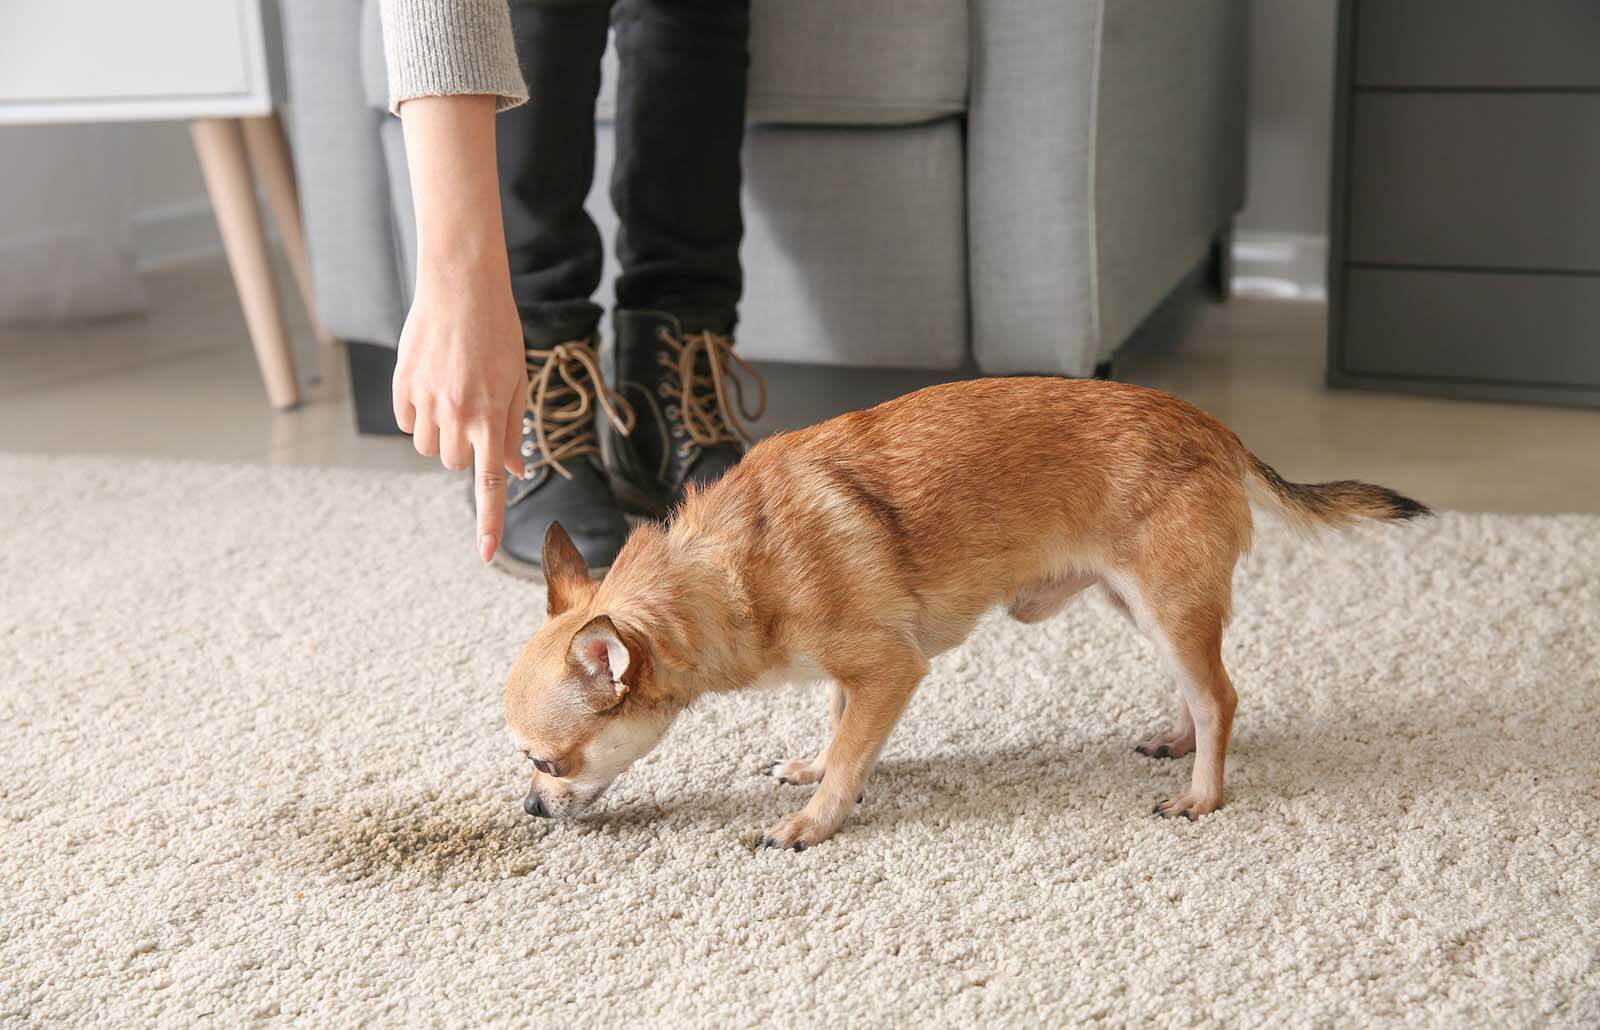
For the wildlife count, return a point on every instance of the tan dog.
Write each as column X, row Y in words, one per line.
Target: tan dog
column 858, row 549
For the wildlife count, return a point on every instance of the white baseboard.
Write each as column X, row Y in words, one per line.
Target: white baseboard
column 75, row 273
column 64, row 275
column 174, row 234
column 1280, row 266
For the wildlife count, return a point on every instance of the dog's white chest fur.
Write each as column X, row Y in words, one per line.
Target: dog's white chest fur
column 800, row 671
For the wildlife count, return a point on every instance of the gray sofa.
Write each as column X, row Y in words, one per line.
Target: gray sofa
column 1005, row 185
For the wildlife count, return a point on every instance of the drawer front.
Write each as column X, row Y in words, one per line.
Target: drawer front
column 1482, row 43
column 1475, row 180
column 1527, row 329
column 94, row 50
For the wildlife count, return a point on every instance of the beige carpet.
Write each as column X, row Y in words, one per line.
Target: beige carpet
column 252, row 764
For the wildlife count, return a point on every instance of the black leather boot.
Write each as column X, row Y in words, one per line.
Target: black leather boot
column 684, row 384
column 564, row 479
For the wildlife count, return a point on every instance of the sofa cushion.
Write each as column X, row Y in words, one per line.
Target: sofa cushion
column 815, row 62
column 843, row 62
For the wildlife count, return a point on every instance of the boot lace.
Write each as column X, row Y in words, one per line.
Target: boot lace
column 564, row 387
column 698, row 391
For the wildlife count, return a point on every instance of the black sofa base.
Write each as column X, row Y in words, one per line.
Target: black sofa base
column 371, row 375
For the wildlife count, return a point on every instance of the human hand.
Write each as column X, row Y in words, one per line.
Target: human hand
column 460, row 378
column 460, row 384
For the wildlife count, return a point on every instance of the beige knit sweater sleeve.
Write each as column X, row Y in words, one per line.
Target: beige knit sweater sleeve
column 439, row 48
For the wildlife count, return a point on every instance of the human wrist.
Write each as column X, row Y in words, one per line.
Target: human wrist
column 463, row 261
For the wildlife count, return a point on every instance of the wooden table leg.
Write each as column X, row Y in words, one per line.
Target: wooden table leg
column 220, row 144
column 269, row 152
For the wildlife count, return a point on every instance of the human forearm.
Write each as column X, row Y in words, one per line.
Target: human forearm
column 451, row 157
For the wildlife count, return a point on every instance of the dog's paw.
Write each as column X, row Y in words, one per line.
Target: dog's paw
column 795, row 770
column 1189, row 805
column 1168, row 745
column 796, row 832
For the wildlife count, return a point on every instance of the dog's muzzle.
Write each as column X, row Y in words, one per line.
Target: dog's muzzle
column 534, row 806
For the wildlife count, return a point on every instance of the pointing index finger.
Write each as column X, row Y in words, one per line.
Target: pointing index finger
column 489, row 485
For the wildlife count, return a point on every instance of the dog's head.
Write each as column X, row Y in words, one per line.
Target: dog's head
column 578, row 704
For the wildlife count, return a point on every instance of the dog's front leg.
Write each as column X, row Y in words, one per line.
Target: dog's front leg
column 873, row 700
column 809, row 770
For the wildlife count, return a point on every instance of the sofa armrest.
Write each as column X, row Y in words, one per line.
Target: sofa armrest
column 1030, row 185
column 344, row 186
column 1105, row 150
column 1169, row 150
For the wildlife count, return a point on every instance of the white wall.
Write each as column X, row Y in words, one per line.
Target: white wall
column 145, row 172
column 85, row 206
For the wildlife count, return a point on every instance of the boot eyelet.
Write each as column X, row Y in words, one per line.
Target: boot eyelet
column 677, row 432
column 661, row 389
column 527, row 450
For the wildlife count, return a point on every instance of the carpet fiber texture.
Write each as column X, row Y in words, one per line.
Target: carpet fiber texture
column 253, row 766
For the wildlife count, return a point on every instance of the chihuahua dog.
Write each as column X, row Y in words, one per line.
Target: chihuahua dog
column 856, row 550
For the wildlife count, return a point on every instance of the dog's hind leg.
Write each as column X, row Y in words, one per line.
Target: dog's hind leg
column 1178, row 741
column 1210, row 699
column 809, row 770
column 1185, row 621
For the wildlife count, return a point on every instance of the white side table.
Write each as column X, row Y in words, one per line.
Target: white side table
column 214, row 63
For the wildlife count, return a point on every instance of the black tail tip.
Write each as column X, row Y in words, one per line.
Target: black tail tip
column 1404, row 509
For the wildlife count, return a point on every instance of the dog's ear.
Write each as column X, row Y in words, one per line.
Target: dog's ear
column 566, row 575
column 607, row 664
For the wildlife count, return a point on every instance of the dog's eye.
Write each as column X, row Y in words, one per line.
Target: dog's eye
column 548, row 768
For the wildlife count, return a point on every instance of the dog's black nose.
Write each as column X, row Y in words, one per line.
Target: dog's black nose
column 534, row 807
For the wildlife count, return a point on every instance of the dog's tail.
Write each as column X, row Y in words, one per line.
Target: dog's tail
column 1310, row 506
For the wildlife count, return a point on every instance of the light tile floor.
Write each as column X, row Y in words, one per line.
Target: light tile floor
column 181, row 382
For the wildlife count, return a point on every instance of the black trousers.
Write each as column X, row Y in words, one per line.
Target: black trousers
column 675, row 186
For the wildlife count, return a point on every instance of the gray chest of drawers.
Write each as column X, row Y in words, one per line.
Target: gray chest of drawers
column 1465, row 254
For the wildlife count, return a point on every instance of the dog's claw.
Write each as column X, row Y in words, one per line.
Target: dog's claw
column 795, row 772
column 799, row 845
column 768, row 770
column 1185, row 806
column 1166, row 746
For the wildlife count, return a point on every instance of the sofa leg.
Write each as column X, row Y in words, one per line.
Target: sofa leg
column 268, row 148
column 225, row 165
column 372, row 395
column 1103, row 370
column 1219, row 265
